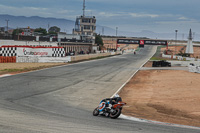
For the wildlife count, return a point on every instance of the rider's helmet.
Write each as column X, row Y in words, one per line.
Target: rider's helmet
column 116, row 95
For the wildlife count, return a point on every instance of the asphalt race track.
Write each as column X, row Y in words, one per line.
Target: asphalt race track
column 61, row 99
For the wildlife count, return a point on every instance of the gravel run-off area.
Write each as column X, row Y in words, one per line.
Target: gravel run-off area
column 171, row 96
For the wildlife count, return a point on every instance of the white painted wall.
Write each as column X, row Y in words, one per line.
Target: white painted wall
column 43, row 59
column 183, row 63
column 69, row 36
column 12, row 42
column 180, row 57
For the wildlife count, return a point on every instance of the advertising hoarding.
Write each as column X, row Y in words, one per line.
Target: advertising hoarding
column 34, row 51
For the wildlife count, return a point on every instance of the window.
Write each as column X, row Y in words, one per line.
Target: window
column 85, row 20
column 93, row 21
column 86, row 27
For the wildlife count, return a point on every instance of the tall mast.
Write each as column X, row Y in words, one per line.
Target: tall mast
column 190, row 35
column 83, row 8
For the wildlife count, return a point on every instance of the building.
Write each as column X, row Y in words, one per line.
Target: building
column 2, row 29
column 27, row 31
column 85, row 26
column 82, row 39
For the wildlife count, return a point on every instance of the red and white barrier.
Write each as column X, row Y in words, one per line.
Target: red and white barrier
column 32, row 54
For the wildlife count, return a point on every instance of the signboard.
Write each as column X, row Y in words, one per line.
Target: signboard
column 127, row 41
column 142, row 42
column 155, row 42
column 23, row 51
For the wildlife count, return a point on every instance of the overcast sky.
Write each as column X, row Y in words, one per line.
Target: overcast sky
column 128, row 15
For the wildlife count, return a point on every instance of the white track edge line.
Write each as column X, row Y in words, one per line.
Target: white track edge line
column 133, row 75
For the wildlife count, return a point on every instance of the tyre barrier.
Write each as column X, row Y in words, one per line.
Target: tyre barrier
column 4, row 59
column 161, row 64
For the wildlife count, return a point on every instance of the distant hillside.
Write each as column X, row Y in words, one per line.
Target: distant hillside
column 36, row 22
column 67, row 26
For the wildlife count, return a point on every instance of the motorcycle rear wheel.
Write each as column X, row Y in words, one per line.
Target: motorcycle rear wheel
column 115, row 114
column 96, row 112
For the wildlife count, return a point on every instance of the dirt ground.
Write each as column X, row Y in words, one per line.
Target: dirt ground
column 164, row 95
column 178, row 49
column 23, row 67
column 148, row 64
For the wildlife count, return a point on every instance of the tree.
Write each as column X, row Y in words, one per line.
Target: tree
column 41, row 30
column 17, row 31
column 99, row 40
column 53, row 30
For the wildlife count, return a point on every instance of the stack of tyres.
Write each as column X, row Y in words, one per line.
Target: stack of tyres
column 161, row 64
column 155, row 64
column 4, row 59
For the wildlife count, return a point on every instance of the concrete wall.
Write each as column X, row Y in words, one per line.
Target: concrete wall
column 85, row 57
column 180, row 58
column 63, row 59
column 183, row 63
column 43, row 59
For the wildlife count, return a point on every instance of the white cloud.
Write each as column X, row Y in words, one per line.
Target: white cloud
column 182, row 18
column 136, row 15
column 36, row 8
column 106, row 14
column 64, row 11
column 123, row 14
column 142, row 15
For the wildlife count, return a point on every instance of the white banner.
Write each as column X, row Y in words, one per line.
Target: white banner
column 34, row 51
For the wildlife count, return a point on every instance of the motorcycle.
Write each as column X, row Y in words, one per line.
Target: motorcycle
column 113, row 113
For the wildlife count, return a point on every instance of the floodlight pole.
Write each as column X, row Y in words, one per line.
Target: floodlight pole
column 175, row 40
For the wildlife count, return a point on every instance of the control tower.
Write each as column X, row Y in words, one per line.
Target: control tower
column 85, row 25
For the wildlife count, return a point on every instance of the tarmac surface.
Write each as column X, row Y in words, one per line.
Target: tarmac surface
column 61, row 99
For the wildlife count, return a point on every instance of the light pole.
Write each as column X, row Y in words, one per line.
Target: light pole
column 175, row 39
column 116, row 31
column 193, row 35
column 183, row 37
column 7, row 24
column 116, row 37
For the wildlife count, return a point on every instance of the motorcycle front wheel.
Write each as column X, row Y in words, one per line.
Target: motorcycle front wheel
column 115, row 114
column 96, row 112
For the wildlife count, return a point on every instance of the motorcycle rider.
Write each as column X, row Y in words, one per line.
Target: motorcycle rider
column 110, row 107
column 112, row 101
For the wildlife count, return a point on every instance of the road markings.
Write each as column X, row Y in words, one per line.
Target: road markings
column 156, row 122
column 5, row 75
column 133, row 75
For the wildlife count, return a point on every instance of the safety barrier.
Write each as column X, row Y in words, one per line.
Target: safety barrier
column 42, row 59
column 90, row 56
column 193, row 68
column 161, row 64
column 7, row 59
